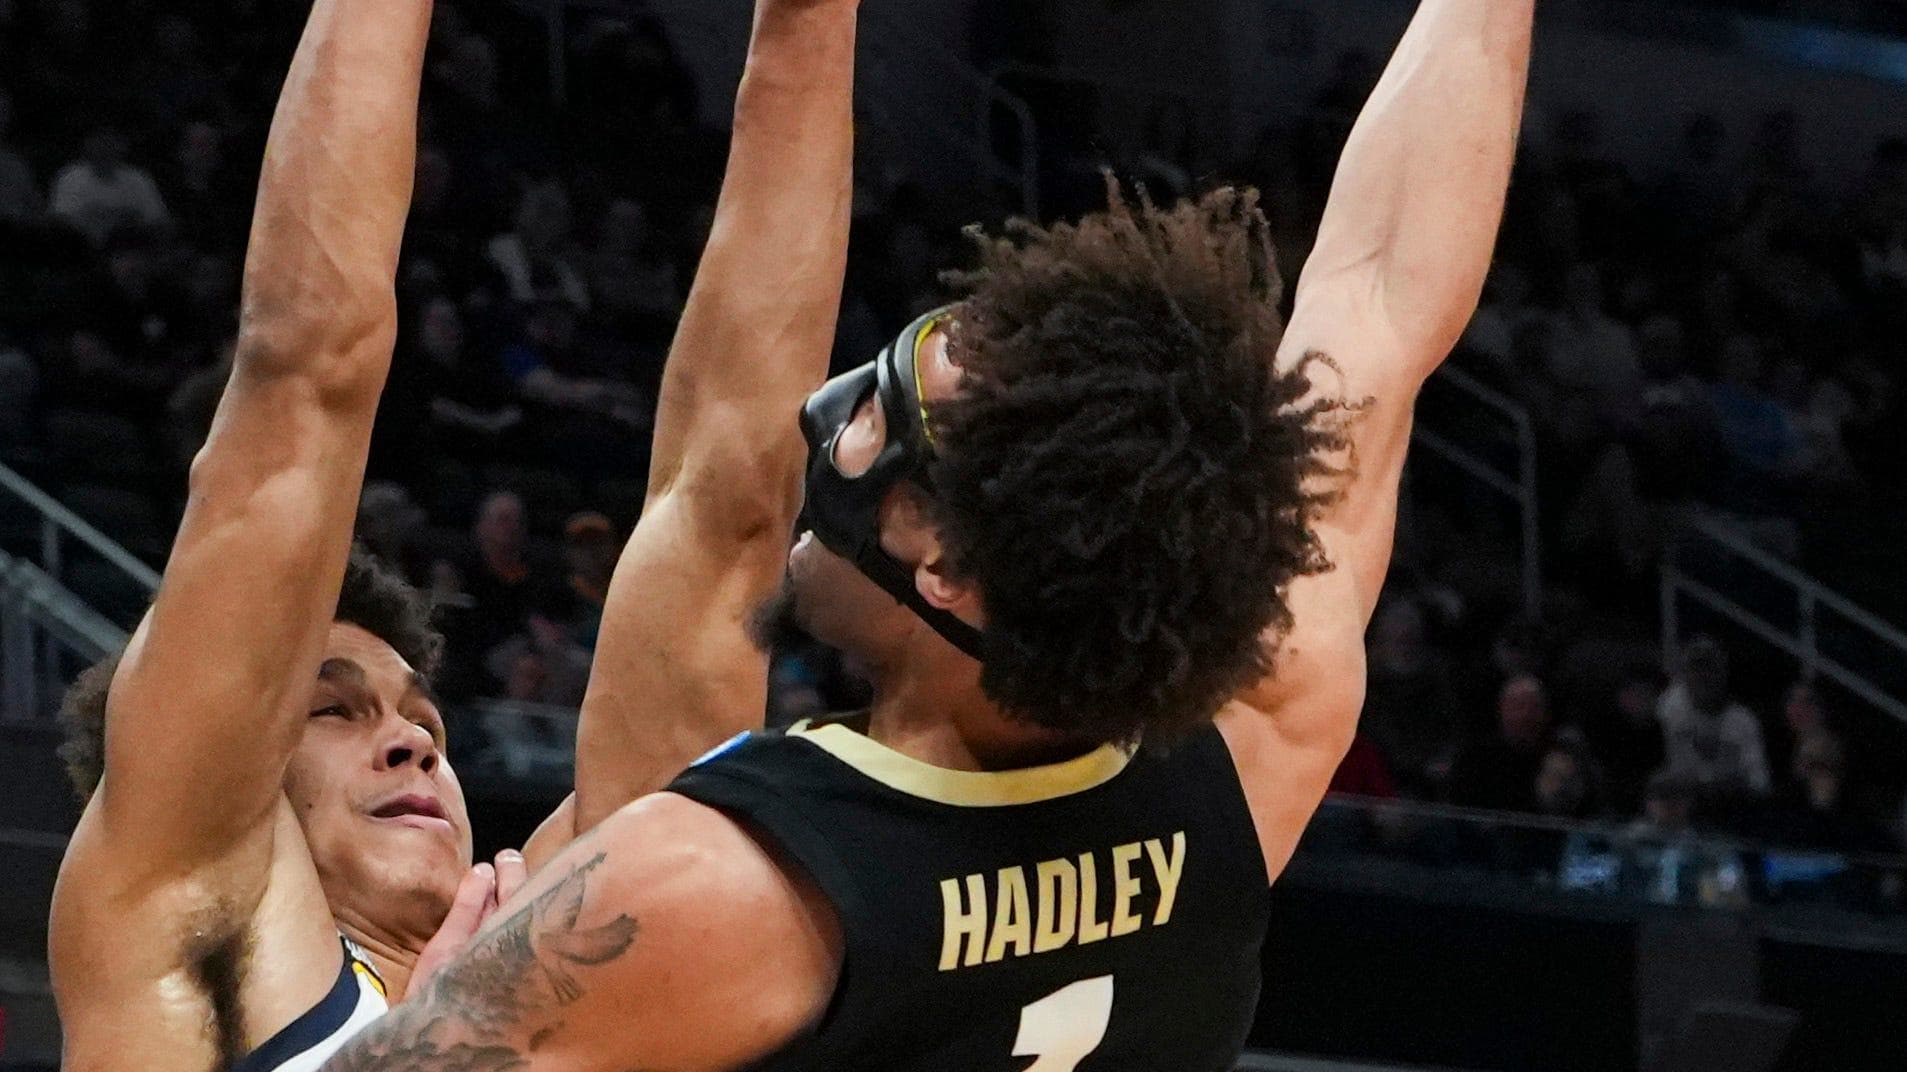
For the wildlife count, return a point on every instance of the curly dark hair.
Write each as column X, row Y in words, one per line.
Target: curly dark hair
column 1125, row 476
column 373, row 597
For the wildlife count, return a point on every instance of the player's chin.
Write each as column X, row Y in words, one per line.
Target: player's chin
column 432, row 844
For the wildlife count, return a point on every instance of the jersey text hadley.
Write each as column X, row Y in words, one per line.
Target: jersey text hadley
column 1019, row 911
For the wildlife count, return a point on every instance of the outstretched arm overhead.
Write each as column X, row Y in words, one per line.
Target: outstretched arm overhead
column 208, row 701
column 675, row 671
column 1395, row 276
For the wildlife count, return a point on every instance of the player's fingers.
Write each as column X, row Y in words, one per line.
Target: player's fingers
column 474, row 893
column 511, row 873
column 477, row 889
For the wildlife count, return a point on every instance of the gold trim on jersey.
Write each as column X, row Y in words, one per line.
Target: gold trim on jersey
column 966, row 789
column 361, row 965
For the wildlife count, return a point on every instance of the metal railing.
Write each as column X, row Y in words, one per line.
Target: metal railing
column 40, row 621
column 58, row 525
column 1517, row 483
column 1814, row 605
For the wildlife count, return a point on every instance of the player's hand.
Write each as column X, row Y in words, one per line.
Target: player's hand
column 486, row 888
column 476, row 899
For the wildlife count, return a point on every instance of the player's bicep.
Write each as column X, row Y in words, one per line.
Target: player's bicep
column 207, row 702
column 666, row 939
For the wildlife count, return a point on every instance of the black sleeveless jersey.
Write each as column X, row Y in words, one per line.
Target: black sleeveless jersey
column 1096, row 915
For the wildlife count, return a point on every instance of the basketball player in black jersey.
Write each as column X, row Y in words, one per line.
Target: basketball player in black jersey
column 1107, row 538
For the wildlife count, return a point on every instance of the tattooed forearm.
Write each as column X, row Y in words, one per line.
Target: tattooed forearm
column 527, row 963
column 497, row 1002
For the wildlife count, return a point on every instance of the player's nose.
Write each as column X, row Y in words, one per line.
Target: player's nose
column 403, row 743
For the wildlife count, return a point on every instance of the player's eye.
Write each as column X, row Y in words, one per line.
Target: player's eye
column 332, row 711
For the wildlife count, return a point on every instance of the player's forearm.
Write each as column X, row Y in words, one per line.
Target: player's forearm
column 758, row 329
column 1419, row 193
column 333, row 195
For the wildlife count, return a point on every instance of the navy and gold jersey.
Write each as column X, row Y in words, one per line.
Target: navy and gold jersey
column 1099, row 914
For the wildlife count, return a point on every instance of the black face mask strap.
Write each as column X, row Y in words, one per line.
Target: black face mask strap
column 898, row 582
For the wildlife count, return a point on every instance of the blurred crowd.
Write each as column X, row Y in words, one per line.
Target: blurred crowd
column 548, row 253
column 1719, row 333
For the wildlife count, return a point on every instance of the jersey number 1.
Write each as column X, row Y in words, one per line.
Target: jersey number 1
column 1066, row 1025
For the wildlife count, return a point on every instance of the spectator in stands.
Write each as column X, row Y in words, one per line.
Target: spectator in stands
column 545, row 367
column 1774, row 157
column 535, row 257
column 1701, row 191
column 439, row 245
column 590, row 549
column 1626, row 740
column 1802, row 716
column 1568, row 782
column 101, row 193
column 19, row 193
column 633, row 282
column 1410, row 709
column 19, row 396
column 442, row 399
column 1813, row 810
column 1668, row 808
column 1363, row 773
column 390, row 524
column 1879, row 233
column 174, row 79
column 501, row 582
column 1500, row 770
column 202, row 188
column 1711, row 739
column 192, row 405
column 1593, row 355
column 1763, row 446
column 541, row 665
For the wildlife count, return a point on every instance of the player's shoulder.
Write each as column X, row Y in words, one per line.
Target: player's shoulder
column 677, row 900
column 686, row 862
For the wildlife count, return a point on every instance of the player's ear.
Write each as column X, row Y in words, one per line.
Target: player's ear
column 937, row 584
column 909, row 534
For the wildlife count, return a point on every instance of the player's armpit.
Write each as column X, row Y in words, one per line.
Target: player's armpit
column 1288, row 734
column 666, row 939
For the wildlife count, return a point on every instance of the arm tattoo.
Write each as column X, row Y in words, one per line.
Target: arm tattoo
column 517, row 974
column 527, row 964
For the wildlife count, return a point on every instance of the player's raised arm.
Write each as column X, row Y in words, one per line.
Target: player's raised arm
column 1406, row 241
column 207, row 703
column 675, row 671
column 1395, row 276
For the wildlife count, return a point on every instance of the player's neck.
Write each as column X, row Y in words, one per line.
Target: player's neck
column 394, row 956
column 934, row 710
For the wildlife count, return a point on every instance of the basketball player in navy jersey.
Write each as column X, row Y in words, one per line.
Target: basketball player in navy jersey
column 272, row 832
column 272, row 835
column 1106, row 534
